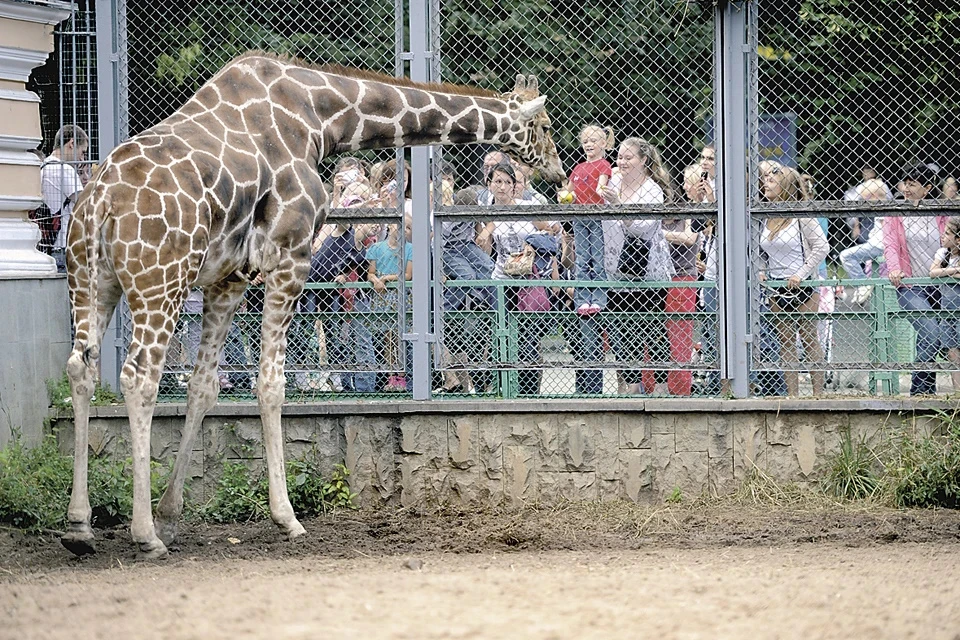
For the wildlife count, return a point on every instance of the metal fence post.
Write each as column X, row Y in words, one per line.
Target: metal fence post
column 420, row 193
column 110, row 15
column 732, row 146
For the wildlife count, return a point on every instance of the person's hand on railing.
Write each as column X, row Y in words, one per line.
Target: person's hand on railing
column 896, row 277
column 793, row 282
column 340, row 279
column 379, row 284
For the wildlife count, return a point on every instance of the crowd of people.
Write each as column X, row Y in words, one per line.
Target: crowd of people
column 638, row 292
column 655, row 329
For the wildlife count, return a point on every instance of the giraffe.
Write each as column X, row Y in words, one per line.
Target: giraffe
column 224, row 189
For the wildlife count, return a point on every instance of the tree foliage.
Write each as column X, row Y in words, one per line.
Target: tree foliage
column 870, row 83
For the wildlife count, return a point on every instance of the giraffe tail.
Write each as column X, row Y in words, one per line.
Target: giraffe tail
column 92, row 224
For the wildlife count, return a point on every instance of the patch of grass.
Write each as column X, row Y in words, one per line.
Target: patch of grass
column 58, row 391
column 243, row 496
column 35, row 485
column 240, row 496
column 854, row 472
column 924, row 471
column 907, row 470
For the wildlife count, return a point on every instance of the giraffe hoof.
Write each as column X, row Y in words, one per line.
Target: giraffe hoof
column 152, row 550
column 79, row 540
column 166, row 530
column 295, row 530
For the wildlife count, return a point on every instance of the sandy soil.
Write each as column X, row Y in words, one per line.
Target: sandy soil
column 587, row 571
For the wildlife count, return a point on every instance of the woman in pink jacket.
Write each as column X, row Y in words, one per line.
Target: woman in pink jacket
column 909, row 244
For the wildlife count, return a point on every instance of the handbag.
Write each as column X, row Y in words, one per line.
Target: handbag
column 533, row 299
column 520, row 264
column 634, row 257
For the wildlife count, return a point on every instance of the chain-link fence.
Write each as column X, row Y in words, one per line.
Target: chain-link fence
column 346, row 337
column 594, row 292
column 613, row 283
column 856, row 180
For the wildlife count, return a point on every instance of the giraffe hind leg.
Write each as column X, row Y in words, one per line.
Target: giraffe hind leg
column 82, row 371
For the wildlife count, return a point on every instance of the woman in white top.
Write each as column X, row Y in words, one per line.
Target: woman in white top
column 508, row 238
column 792, row 249
column 641, row 180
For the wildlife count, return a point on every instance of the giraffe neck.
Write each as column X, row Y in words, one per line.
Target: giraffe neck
column 397, row 116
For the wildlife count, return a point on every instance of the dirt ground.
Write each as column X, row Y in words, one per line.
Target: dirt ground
column 578, row 571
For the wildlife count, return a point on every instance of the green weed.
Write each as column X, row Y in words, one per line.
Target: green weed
column 242, row 496
column 35, row 485
column 853, row 472
column 924, row 471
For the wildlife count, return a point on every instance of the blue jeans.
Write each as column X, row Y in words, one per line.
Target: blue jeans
column 918, row 298
column 588, row 245
column 348, row 339
column 768, row 383
column 467, row 261
column 853, row 258
column 708, row 340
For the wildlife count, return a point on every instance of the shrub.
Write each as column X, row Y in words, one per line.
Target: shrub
column 241, row 496
column 58, row 391
column 925, row 471
column 35, row 485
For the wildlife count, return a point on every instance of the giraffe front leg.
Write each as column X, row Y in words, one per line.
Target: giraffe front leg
column 219, row 305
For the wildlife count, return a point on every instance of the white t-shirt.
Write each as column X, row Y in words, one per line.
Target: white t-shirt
column 923, row 242
column 509, row 238
column 942, row 253
column 784, row 251
column 615, row 231
column 60, row 182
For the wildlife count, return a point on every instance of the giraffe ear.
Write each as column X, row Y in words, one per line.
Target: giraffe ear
column 521, row 84
column 529, row 109
column 533, row 87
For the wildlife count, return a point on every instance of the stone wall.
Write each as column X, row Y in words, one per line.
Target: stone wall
column 473, row 454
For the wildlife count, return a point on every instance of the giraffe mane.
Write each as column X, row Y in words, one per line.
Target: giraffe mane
column 362, row 74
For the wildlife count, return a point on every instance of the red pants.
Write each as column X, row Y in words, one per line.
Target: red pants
column 680, row 335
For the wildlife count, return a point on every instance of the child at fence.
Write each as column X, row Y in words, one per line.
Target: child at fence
column 586, row 183
column 946, row 264
column 384, row 265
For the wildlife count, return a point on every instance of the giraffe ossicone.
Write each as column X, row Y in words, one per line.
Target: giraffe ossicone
column 225, row 188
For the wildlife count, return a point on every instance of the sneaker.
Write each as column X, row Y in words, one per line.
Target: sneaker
column 396, row 384
column 863, row 294
column 583, row 310
column 595, row 308
column 335, row 383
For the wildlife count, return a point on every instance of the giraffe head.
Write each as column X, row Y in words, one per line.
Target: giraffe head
column 528, row 140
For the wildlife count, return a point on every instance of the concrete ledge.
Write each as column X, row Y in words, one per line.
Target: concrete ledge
column 592, row 405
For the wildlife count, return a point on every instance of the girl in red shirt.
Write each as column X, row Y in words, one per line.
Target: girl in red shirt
column 587, row 181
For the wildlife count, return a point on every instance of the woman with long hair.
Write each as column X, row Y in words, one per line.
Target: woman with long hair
column 792, row 249
column 638, row 250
